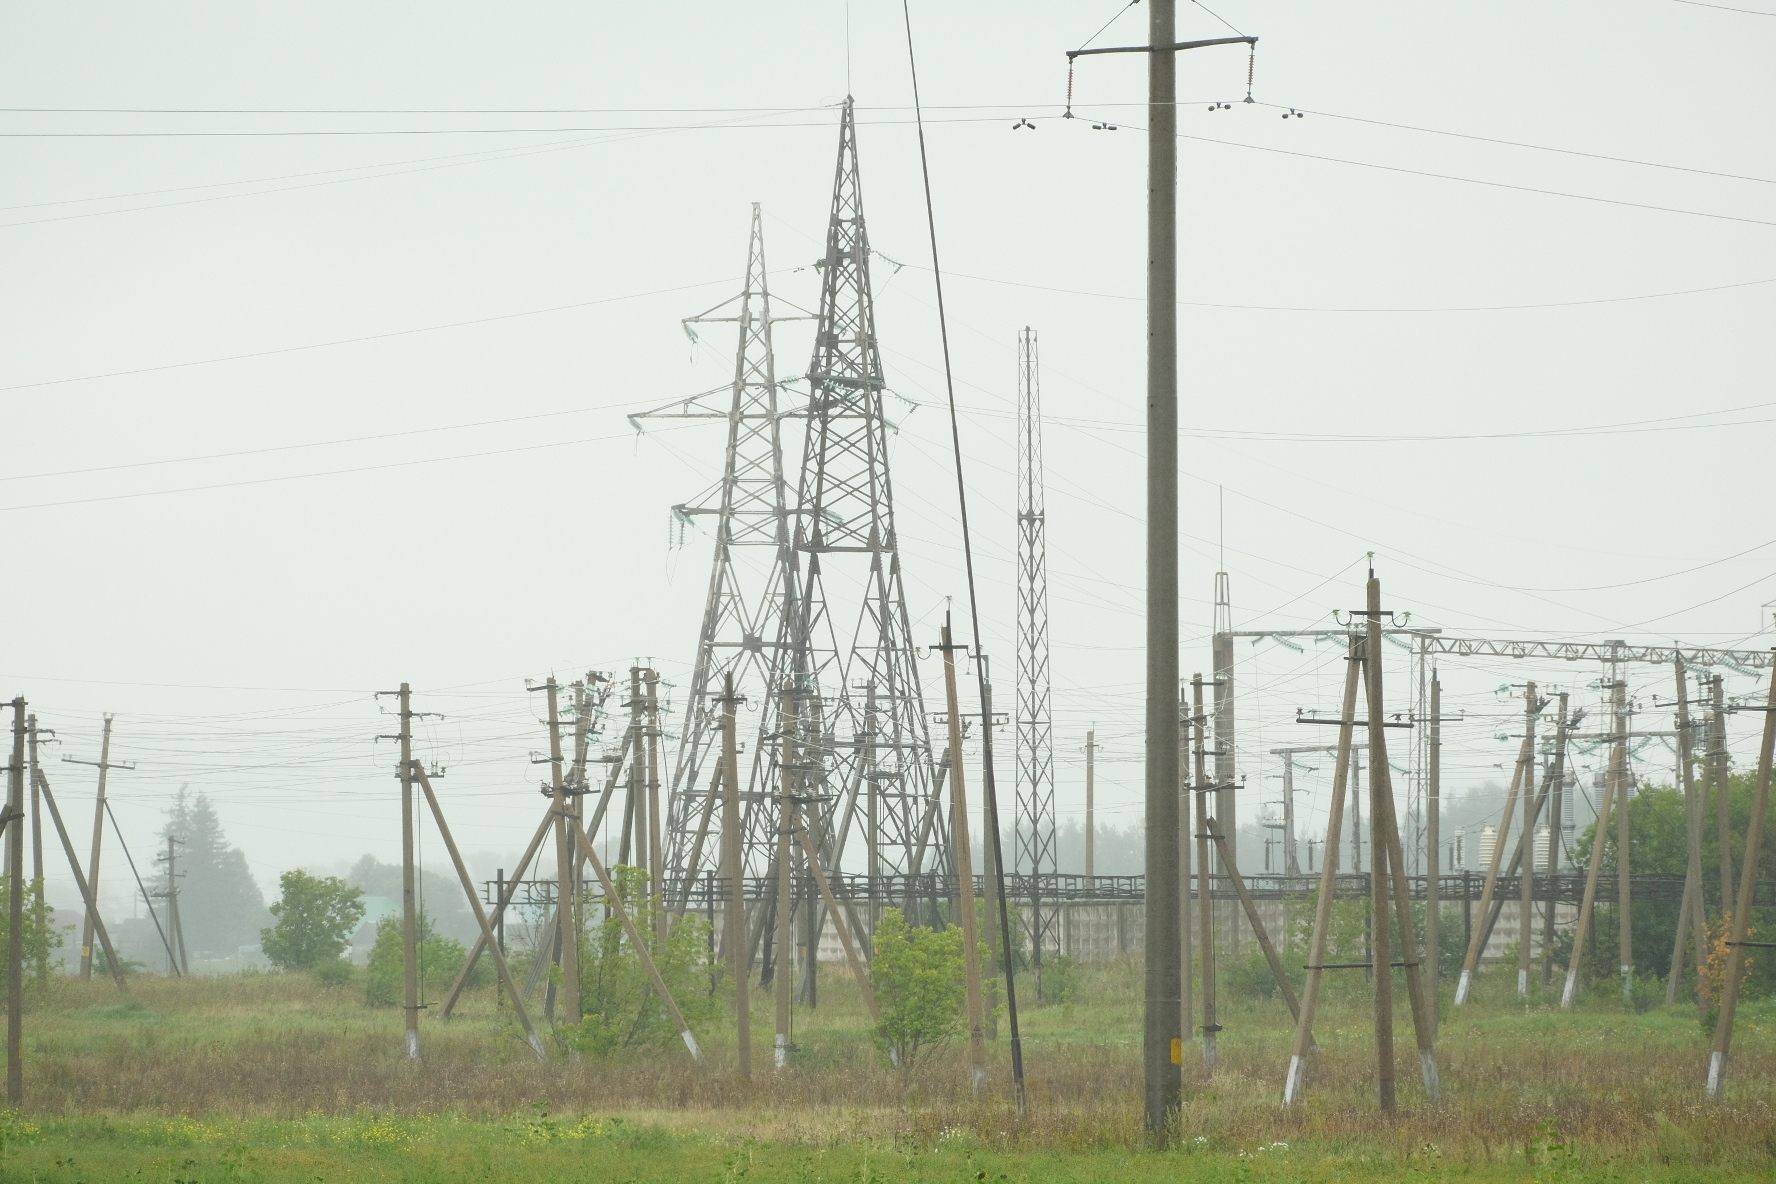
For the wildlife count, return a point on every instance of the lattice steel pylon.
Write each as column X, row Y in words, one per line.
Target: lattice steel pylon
column 861, row 731
column 755, row 570
column 1034, row 828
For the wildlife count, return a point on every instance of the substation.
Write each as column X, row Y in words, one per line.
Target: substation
column 812, row 773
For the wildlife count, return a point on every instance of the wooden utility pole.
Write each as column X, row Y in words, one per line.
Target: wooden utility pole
column 174, row 921
column 409, row 893
column 87, row 897
column 15, row 935
column 1525, row 762
column 733, row 863
column 1624, row 885
column 98, row 834
column 1091, row 820
column 416, row 773
column 1316, row 956
column 1388, row 859
column 781, row 977
column 1434, row 851
column 963, row 858
column 1205, row 910
column 1737, row 942
column 1382, row 955
column 566, row 896
column 1588, row 903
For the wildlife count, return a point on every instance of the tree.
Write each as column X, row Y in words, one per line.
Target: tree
column 316, row 918
column 38, row 933
column 920, row 984
column 439, row 898
column 220, row 905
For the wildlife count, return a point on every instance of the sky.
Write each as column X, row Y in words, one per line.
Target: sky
column 320, row 328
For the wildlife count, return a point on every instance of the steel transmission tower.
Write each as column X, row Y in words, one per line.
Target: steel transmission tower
column 1034, row 829
column 864, row 751
column 754, row 575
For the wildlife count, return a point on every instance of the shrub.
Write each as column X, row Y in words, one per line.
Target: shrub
column 336, row 973
column 316, row 917
column 618, row 1004
column 921, row 988
column 440, row 960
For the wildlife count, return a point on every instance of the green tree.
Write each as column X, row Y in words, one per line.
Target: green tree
column 39, row 935
column 440, row 961
column 921, row 987
column 316, row 918
column 619, row 1007
column 220, row 905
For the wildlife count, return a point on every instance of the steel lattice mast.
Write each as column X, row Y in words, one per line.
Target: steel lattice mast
column 861, row 730
column 755, row 572
column 1034, row 829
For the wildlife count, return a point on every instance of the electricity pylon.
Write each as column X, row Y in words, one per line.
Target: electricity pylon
column 1034, row 829
column 755, row 570
column 859, row 714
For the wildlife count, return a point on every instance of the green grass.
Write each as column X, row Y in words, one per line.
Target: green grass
column 267, row 1077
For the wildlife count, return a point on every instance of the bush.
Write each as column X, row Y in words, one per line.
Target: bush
column 316, row 917
column 1060, row 979
column 440, row 961
column 39, row 935
column 618, row 1004
column 921, row 987
column 336, row 973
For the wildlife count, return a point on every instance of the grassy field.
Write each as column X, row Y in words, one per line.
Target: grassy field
column 273, row 1077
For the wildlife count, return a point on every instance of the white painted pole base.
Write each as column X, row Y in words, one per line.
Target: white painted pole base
column 1292, row 1083
column 780, row 1053
column 1572, row 985
column 536, row 1046
column 1427, row 1065
column 1461, row 987
column 412, row 1045
column 691, row 1043
column 980, row 1080
column 1627, row 984
column 1522, row 983
column 1717, row 1076
column 1209, row 1051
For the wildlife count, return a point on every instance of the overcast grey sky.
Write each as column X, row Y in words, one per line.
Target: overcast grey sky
column 295, row 417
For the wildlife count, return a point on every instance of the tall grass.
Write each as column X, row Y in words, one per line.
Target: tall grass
column 1517, row 1077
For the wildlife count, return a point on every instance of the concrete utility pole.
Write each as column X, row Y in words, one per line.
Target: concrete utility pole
column 1356, row 805
column 15, row 935
column 1737, row 942
column 1204, row 901
column 1624, row 886
column 1091, row 821
column 1588, row 903
column 1291, row 862
column 1161, row 1074
column 1557, row 789
column 656, row 855
column 1382, row 956
column 1186, row 938
column 174, row 922
column 1433, row 850
column 92, row 868
column 39, row 913
column 1689, row 917
column 964, row 863
column 1526, row 868
column 734, row 864
column 1717, row 777
column 780, row 971
column 409, row 895
column 566, row 902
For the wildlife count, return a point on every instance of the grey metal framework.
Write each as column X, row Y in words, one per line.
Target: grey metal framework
column 863, row 750
column 1034, row 828
column 754, row 573
column 1604, row 651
